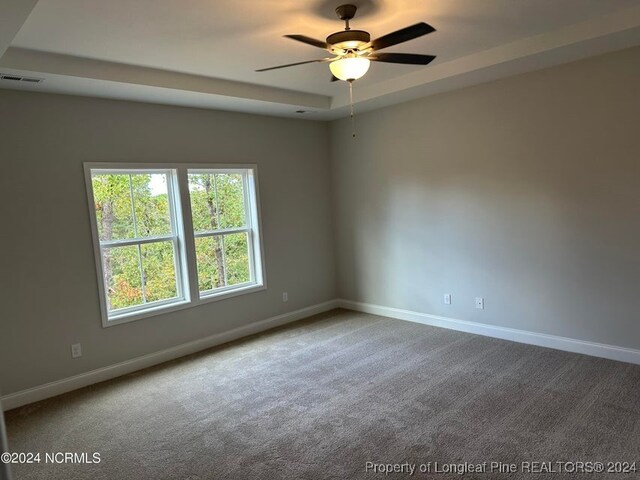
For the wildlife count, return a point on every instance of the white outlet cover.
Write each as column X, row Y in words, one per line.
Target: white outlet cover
column 480, row 303
column 76, row 350
column 285, row 296
column 447, row 298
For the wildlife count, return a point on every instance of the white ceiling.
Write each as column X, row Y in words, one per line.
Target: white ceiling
column 204, row 52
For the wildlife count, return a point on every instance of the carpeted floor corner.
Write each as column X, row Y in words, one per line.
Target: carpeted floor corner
column 320, row 398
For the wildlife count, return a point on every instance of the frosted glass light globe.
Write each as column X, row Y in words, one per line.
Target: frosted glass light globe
column 349, row 68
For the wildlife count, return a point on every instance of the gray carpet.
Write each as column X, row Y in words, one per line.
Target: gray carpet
column 320, row 398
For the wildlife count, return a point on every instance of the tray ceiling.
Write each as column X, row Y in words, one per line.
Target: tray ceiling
column 204, row 53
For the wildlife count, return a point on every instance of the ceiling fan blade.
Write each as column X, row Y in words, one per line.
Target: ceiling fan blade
column 403, row 35
column 293, row 64
column 406, row 58
column 309, row 41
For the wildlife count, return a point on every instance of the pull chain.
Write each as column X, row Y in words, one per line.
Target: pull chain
column 353, row 118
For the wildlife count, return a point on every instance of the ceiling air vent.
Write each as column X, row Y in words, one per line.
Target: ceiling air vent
column 18, row 78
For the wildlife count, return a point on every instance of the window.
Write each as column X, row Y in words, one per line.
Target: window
column 172, row 236
column 222, row 229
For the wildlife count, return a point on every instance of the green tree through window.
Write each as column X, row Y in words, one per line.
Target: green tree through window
column 144, row 259
column 220, row 224
column 135, row 207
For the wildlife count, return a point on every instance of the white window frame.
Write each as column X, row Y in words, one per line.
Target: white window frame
column 255, row 274
column 182, row 236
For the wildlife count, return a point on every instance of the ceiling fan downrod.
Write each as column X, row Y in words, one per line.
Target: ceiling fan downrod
column 346, row 13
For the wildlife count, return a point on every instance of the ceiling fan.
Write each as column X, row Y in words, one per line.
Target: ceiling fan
column 354, row 49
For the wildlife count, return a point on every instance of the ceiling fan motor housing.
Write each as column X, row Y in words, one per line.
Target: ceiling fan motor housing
column 346, row 12
column 349, row 39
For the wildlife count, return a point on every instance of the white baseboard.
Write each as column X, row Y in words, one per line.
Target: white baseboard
column 612, row 352
column 58, row 387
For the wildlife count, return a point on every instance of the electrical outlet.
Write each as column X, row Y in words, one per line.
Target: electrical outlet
column 285, row 296
column 76, row 350
column 447, row 298
column 480, row 303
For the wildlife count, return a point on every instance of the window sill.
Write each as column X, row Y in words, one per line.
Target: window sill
column 182, row 304
column 233, row 292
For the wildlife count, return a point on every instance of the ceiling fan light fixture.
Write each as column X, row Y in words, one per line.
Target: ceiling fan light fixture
column 350, row 68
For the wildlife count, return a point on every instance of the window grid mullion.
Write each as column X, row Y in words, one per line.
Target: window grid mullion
column 142, row 285
column 133, row 208
column 224, row 263
column 215, row 193
column 224, row 231
column 135, row 241
column 224, row 258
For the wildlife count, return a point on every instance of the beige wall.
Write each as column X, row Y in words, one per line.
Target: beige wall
column 48, row 287
column 525, row 191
